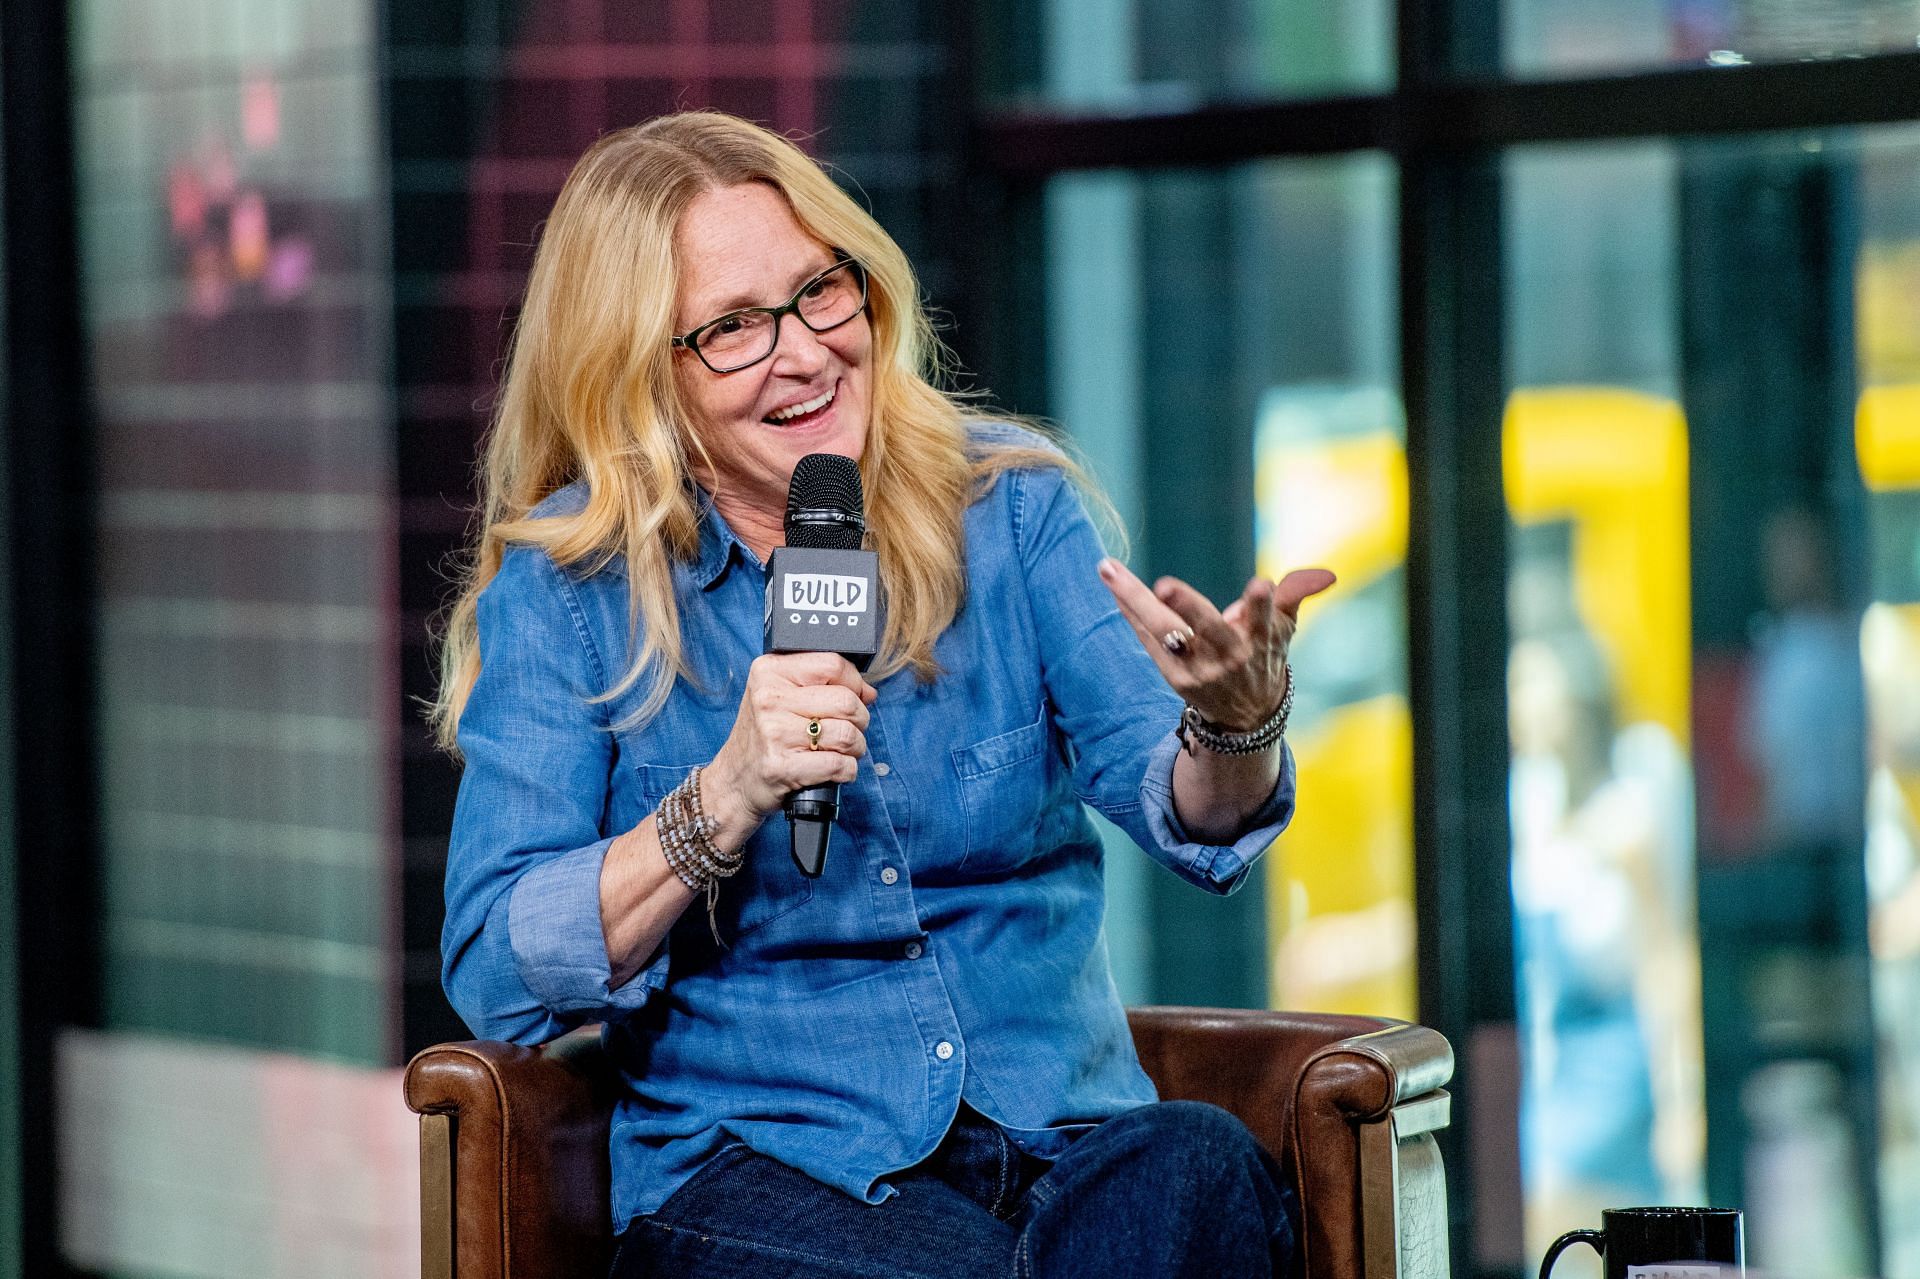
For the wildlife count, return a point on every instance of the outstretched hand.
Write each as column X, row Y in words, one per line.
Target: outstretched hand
column 1231, row 664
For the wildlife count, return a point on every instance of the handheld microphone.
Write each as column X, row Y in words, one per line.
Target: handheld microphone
column 823, row 596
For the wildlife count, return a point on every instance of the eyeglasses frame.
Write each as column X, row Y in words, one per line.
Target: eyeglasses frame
column 690, row 340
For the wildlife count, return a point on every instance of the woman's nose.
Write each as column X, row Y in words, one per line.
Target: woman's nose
column 798, row 348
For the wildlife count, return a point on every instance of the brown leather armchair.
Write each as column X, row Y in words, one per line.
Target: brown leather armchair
column 513, row 1141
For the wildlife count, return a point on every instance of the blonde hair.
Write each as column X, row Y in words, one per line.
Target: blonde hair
column 590, row 396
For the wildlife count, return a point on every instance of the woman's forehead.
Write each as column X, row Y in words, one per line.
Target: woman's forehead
column 742, row 246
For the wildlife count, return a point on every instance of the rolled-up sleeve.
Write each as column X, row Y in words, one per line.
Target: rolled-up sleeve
column 1110, row 700
column 1218, row 868
column 523, row 957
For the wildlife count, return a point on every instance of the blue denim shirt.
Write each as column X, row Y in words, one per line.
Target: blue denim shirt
column 952, row 948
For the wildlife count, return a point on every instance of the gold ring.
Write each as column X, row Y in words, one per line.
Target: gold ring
column 813, row 734
column 1175, row 642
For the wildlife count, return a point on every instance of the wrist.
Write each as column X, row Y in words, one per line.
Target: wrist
column 1197, row 732
column 735, row 817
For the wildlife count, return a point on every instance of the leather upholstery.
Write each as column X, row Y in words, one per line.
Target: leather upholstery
column 1300, row 1081
column 530, row 1163
column 1353, row 1080
column 531, row 1181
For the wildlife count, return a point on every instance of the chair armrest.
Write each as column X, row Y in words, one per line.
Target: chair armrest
column 1363, row 1116
column 1248, row 1061
column 521, row 1136
column 1333, row 1097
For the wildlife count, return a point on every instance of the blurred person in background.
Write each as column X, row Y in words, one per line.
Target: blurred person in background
column 1809, row 698
column 916, row 1063
column 1603, row 942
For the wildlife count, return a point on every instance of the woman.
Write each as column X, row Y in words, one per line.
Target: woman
column 916, row 1063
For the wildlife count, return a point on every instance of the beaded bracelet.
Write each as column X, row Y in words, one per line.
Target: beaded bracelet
column 686, row 838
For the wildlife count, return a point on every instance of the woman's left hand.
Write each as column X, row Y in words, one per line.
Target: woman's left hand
column 1231, row 664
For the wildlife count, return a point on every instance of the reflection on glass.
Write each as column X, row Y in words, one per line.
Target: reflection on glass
column 229, row 202
column 227, row 199
column 1720, row 556
column 1887, row 449
column 1331, row 488
column 1265, row 293
column 1159, row 55
column 1596, row 478
column 1601, row 802
column 1583, row 37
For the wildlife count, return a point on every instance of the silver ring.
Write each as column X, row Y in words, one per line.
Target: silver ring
column 1175, row 642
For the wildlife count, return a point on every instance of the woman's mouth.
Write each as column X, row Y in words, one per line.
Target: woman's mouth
column 807, row 411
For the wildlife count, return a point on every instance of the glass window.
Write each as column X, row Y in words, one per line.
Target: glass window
column 1155, row 55
column 244, row 469
column 1221, row 346
column 1595, row 462
column 1712, row 461
column 1886, row 298
column 1594, row 37
column 230, row 204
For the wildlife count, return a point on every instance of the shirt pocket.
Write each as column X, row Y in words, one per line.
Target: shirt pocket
column 767, row 886
column 1004, row 782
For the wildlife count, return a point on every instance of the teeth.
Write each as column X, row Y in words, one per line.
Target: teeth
column 811, row 406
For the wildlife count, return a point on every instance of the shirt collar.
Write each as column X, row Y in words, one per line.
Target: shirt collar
column 719, row 545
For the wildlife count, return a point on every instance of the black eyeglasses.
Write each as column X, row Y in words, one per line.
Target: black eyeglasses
column 748, row 336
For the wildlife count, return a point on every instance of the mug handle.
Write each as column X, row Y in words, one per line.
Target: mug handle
column 1594, row 1239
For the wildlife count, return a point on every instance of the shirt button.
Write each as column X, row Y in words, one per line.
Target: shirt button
column 888, row 875
column 943, row 1050
column 913, row 950
column 883, row 769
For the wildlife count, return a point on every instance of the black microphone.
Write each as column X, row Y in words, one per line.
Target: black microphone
column 823, row 596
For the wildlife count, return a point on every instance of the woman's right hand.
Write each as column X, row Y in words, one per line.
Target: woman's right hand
column 767, row 756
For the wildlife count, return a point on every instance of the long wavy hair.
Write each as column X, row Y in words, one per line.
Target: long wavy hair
column 590, row 395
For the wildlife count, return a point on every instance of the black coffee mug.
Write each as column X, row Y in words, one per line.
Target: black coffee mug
column 1662, row 1243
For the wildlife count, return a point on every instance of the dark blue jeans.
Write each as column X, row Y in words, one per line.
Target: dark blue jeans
column 1177, row 1188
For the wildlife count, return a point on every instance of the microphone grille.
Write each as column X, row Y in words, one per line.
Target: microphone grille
column 825, row 509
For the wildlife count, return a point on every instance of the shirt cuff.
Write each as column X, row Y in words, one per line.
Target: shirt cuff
column 1218, row 868
column 553, row 921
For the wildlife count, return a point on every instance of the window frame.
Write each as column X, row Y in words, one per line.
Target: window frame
column 1446, row 121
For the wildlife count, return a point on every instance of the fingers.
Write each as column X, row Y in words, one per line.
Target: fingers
column 1197, row 611
column 1150, row 619
column 1152, row 616
column 1137, row 603
column 1257, row 618
column 819, row 767
column 786, row 692
column 1262, row 606
column 822, row 702
column 770, row 753
column 836, row 735
column 1261, row 620
column 809, row 670
column 1299, row 585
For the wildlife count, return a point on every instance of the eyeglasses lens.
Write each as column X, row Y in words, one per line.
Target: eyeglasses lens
column 745, row 337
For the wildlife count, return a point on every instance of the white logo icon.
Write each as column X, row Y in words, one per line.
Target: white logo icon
column 830, row 593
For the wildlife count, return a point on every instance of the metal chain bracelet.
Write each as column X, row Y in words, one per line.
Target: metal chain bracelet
column 686, row 838
column 1196, row 728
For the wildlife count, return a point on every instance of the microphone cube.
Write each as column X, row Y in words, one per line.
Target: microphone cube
column 824, row 601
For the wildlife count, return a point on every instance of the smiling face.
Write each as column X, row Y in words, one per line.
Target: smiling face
column 741, row 246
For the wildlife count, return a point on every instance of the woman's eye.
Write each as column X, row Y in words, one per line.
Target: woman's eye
column 726, row 327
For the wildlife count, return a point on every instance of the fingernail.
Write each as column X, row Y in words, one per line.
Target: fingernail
column 1106, row 567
